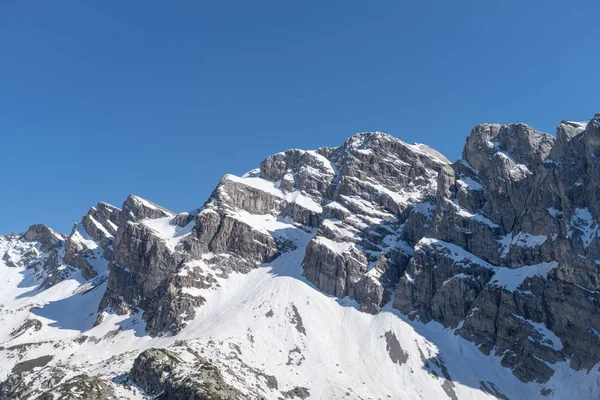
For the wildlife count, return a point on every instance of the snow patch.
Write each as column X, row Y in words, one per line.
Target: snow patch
column 548, row 338
column 511, row 278
column 170, row 233
column 583, row 221
column 469, row 184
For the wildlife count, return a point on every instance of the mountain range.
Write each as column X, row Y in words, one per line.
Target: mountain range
column 373, row 270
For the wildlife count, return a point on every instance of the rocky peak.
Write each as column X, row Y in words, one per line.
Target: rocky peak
column 49, row 240
column 384, row 144
column 89, row 246
column 519, row 142
column 101, row 221
column 566, row 132
column 524, row 144
column 137, row 208
column 298, row 170
column 592, row 136
column 479, row 146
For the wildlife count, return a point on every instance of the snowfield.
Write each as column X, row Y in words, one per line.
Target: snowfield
column 273, row 321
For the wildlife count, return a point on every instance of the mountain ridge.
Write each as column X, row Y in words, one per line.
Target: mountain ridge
column 492, row 248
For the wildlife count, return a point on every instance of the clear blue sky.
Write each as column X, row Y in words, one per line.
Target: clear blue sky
column 99, row 99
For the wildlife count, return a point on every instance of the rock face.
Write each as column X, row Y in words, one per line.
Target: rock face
column 358, row 196
column 91, row 240
column 511, row 256
column 501, row 246
column 48, row 239
column 449, row 242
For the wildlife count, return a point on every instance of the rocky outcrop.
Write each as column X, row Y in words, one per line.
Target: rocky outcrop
column 56, row 386
column 161, row 373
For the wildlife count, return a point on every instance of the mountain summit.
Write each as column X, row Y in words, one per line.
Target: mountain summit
column 373, row 270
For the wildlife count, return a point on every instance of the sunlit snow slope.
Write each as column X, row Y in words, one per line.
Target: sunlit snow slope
column 267, row 323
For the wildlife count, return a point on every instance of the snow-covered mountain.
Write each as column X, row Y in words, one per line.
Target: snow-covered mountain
column 374, row 270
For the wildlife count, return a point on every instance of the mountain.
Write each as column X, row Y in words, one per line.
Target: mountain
column 377, row 269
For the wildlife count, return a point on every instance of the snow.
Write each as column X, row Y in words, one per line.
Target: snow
column 580, row 124
column 453, row 251
column 522, row 239
column 265, row 223
column 508, row 278
column 366, row 207
column 400, row 198
column 554, row 212
column 516, row 171
column 326, row 163
column 427, row 209
column 548, row 338
column 336, row 247
column 296, row 197
column 341, row 229
column 101, row 227
column 149, row 204
column 364, row 151
column 171, row 234
column 394, row 242
column 341, row 352
column 469, row 184
column 80, row 235
column 304, row 201
column 112, row 224
column 256, row 183
column 466, row 164
column 428, row 151
column 338, row 206
column 192, row 291
column 252, row 173
column 583, row 221
column 475, row 217
column 336, row 350
column 457, row 276
column 512, row 278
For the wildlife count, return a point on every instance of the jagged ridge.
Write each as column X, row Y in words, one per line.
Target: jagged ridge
column 496, row 246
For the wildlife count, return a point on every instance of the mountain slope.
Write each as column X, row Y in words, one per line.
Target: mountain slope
column 377, row 269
